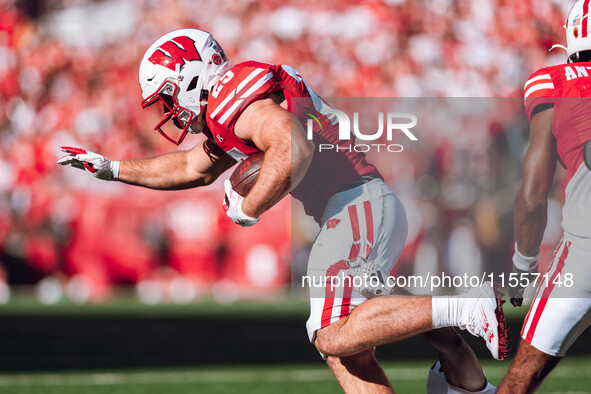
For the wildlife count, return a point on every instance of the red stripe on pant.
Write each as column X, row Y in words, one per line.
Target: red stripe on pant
column 335, row 269
column 547, row 291
column 346, row 304
column 540, row 288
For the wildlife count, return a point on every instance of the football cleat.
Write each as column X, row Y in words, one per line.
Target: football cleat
column 485, row 318
column 438, row 384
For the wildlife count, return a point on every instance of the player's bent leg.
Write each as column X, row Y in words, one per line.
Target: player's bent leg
column 360, row 373
column 375, row 322
column 528, row 370
column 462, row 369
column 388, row 319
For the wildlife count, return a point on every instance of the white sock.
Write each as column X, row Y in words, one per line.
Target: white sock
column 445, row 311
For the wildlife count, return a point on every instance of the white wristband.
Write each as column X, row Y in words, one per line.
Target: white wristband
column 248, row 219
column 115, row 169
column 525, row 263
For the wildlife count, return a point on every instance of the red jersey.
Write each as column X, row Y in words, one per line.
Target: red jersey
column 248, row 82
column 564, row 86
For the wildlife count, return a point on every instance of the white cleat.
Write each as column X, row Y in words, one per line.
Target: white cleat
column 438, row 384
column 483, row 317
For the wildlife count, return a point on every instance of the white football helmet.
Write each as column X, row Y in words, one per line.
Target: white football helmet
column 578, row 31
column 178, row 70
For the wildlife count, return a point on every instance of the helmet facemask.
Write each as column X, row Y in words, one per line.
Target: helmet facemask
column 181, row 117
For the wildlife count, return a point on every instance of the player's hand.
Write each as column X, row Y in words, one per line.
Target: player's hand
column 516, row 292
column 233, row 207
column 522, row 267
column 93, row 163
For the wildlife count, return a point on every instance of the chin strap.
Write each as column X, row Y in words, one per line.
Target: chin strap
column 571, row 58
column 203, row 97
column 557, row 46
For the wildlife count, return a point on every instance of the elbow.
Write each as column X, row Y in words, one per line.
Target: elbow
column 196, row 179
column 302, row 154
column 301, row 158
column 208, row 178
column 206, row 181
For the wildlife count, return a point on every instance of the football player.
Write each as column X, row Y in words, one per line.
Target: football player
column 253, row 107
column 559, row 110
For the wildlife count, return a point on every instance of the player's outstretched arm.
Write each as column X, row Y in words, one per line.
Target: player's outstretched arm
column 288, row 153
column 199, row 166
column 531, row 203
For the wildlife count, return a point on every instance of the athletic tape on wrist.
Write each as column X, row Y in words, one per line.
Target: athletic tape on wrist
column 525, row 263
column 245, row 216
column 115, row 169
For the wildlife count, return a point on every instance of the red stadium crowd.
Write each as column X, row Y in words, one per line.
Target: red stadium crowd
column 68, row 76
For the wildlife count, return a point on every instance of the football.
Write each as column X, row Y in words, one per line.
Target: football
column 246, row 174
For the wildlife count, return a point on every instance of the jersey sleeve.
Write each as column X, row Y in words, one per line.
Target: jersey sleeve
column 241, row 86
column 250, row 82
column 539, row 89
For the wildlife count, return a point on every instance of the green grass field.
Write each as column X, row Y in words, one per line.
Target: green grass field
column 571, row 376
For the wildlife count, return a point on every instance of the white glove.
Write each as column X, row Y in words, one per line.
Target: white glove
column 93, row 163
column 233, row 207
column 523, row 266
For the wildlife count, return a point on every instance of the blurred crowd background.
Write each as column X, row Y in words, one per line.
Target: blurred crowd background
column 68, row 76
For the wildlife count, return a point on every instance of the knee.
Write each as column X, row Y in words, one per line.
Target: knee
column 327, row 343
column 456, row 344
column 447, row 340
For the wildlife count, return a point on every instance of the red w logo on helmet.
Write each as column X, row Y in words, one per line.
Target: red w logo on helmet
column 176, row 51
column 332, row 223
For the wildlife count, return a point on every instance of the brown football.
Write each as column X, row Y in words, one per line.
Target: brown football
column 246, row 174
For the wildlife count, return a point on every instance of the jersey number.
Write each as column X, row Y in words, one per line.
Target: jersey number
column 218, row 87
